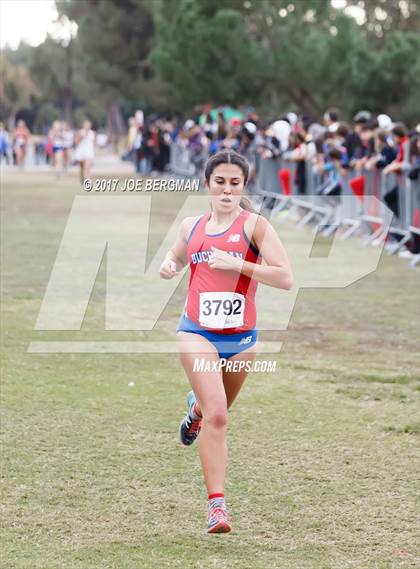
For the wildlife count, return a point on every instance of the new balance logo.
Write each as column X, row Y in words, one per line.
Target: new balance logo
column 233, row 238
column 245, row 340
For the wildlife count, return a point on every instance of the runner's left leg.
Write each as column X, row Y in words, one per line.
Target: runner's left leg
column 233, row 380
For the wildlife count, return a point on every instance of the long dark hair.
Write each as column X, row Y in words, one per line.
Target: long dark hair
column 230, row 157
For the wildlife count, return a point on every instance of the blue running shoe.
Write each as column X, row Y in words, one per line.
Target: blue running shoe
column 189, row 427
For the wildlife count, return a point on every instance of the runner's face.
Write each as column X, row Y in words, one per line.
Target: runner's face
column 225, row 186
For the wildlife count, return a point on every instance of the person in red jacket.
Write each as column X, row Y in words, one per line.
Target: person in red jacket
column 401, row 138
column 229, row 249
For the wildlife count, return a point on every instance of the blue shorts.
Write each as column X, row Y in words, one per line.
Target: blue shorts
column 227, row 345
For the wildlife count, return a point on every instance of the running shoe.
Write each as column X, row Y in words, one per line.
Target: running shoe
column 189, row 428
column 218, row 520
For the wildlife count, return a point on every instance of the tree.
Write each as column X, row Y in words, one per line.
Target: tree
column 277, row 55
column 115, row 42
column 17, row 89
column 204, row 52
column 385, row 16
column 302, row 55
column 393, row 79
column 317, row 57
column 55, row 68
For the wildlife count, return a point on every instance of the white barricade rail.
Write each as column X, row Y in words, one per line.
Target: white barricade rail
column 267, row 178
column 180, row 163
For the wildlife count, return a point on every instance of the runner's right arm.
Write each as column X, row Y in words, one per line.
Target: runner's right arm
column 176, row 258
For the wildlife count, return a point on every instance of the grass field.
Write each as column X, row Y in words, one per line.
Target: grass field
column 322, row 471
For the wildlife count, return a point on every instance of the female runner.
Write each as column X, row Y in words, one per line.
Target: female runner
column 230, row 250
column 85, row 149
column 55, row 135
column 20, row 142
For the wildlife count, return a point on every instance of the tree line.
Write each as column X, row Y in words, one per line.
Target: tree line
column 169, row 56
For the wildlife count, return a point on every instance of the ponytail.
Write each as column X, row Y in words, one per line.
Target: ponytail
column 246, row 204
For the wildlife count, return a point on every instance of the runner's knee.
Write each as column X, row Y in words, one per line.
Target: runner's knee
column 217, row 417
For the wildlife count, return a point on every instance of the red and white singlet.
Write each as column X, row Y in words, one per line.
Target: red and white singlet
column 221, row 300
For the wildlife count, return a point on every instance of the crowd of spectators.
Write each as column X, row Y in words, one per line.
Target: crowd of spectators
column 336, row 150
column 333, row 146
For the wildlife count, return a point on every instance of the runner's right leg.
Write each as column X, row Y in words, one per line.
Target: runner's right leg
column 210, row 393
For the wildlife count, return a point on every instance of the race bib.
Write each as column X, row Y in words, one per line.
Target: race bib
column 221, row 309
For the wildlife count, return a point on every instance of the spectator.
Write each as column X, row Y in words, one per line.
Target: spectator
column 196, row 145
column 147, row 151
column 414, row 152
column 163, row 142
column 384, row 122
column 413, row 246
column 331, row 169
column 366, row 149
column 269, row 145
column 247, row 147
column 400, row 164
column 400, row 134
column 4, row 143
column 331, row 119
column 221, row 125
column 384, row 151
column 137, row 149
column 299, row 154
column 231, row 140
column 353, row 141
column 132, row 133
column 282, row 130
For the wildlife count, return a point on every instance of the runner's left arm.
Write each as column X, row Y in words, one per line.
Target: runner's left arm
column 275, row 272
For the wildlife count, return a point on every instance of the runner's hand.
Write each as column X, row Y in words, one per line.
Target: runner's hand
column 224, row 261
column 168, row 269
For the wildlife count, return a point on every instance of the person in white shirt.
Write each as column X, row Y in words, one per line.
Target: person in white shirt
column 85, row 149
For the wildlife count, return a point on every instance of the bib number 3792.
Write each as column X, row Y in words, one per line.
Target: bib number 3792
column 222, row 309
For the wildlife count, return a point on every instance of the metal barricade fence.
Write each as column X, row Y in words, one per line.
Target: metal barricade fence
column 267, row 176
column 374, row 184
column 410, row 215
column 414, row 197
column 180, row 162
column 404, row 202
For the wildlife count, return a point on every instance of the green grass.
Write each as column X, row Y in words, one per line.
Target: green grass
column 322, row 464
